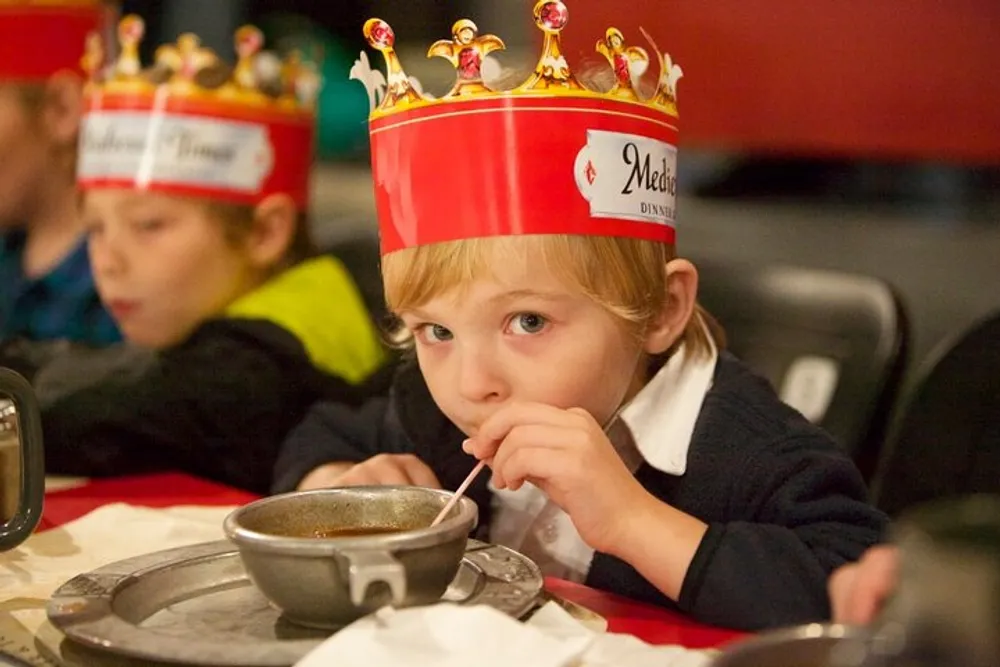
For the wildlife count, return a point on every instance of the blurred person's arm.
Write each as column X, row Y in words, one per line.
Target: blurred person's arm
column 218, row 406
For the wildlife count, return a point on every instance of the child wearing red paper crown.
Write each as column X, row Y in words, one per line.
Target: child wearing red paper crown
column 47, row 291
column 194, row 179
column 528, row 252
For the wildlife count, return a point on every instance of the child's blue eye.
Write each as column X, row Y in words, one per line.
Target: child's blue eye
column 435, row 333
column 528, row 323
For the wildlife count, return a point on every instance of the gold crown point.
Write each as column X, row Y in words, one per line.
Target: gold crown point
column 551, row 16
column 188, row 69
column 131, row 30
column 552, row 70
column 466, row 51
column 248, row 42
column 623, row 60
column 665, row 96
column 380, row 35
column 93, row 58
column 307, row 86
column 290, row 73
column 399, row 89
column 300, row 81
column 185, row 60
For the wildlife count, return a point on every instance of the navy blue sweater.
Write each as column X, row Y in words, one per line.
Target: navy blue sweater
column 784, row 505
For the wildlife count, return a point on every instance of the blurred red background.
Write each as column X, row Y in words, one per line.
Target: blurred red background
column 912, row 79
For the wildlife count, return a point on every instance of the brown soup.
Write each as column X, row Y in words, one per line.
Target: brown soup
column 353, row 532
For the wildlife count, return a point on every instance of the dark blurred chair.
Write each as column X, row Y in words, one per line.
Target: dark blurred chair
column 945, row 441
column 833, row 345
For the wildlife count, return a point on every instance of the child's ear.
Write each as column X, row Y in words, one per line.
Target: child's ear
column 678, row 307
column 274, row 223
column 63, row 108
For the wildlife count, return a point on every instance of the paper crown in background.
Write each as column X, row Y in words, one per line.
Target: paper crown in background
column 39, row 38
column 193, row 125
column 548, row 156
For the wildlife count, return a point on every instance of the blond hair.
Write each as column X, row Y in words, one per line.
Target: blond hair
column 625, row 276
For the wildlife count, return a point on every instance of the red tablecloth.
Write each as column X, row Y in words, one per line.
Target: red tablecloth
column 652, row 624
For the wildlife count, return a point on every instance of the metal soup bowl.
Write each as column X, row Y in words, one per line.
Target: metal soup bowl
column 812, row 645
column 328, row 582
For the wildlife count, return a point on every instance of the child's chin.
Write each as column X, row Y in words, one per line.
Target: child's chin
column 148, row 339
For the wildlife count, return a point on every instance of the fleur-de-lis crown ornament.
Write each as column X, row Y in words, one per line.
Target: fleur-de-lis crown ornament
column 193, row 125
column 468, row 48
column 189, row 69
column 552, row 152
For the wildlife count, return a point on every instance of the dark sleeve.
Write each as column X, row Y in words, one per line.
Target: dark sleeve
column 336, row 433
column 218, row 407
column 807, row 514
column 26, row 357
column 407, row 422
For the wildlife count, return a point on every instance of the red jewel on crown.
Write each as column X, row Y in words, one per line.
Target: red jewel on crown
column 130, row 30
column 381, row 35
column 622, row 70
column 469, row 64
column 553, row 15
column 249, row 43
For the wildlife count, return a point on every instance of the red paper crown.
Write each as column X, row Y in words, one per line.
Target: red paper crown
column 549, row 156
column 193, row 126
column 41, row 37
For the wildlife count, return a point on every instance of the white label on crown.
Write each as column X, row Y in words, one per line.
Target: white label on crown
column 169, row 148
column 628, row 176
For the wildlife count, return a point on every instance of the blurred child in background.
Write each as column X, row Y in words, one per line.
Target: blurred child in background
column 46, row 288
column 195, row 187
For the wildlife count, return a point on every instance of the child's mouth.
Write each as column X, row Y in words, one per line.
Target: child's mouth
column 121, row 308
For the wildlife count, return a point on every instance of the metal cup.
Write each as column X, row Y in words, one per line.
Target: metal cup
column 22, row 460
column 329, row 582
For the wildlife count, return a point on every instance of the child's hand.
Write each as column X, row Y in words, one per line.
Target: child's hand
column 380, row 470
column 859, row 590
column 566, row 454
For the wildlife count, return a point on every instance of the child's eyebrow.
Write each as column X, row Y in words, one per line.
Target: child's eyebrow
column 513, row 295
column 501, row 298
column 133, row 203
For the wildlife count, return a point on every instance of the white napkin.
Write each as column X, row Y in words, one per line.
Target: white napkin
column 449, row 635
column 32, row 572
column 106, row 535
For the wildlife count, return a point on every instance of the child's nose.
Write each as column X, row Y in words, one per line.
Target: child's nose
column 480, row 379
column 105, row 259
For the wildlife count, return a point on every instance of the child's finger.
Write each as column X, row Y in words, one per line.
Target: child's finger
column 875, row 581
column 541, row 436
column 495, row 429
column 531, row 464
column 841, row 587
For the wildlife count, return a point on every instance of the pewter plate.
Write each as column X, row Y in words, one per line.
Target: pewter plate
column 196, row 606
